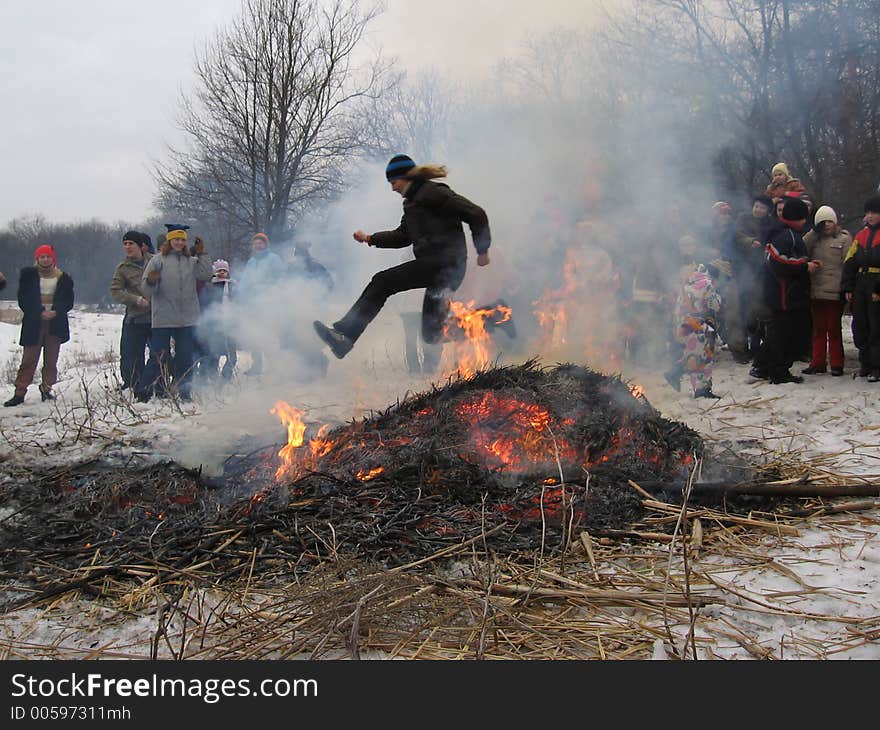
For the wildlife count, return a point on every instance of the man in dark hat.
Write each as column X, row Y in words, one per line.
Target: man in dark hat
column 752, row 228
column 146, row 244
column 125, row 288
column 786, row 289
column 432, row 224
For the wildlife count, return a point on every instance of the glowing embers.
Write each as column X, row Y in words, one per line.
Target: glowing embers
column 548, row 504
column 510, row 434
column 471, row 345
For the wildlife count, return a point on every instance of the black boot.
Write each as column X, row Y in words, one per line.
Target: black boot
column 815, row 370
column 786, row 377
column 338, row 343
column 15, row 400
column 705, row 393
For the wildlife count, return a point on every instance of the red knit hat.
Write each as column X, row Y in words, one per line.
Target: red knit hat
column 260, row 235
column 46, row 250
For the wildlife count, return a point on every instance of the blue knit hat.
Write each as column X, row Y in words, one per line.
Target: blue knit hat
column 398, row 167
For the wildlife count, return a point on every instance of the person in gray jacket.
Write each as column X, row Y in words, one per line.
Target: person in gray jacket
column 827, row 242
column 169, row 281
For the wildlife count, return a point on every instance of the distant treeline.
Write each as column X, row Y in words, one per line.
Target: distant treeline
column 89, row 251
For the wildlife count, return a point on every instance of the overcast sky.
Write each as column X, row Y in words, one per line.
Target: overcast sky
column 89, row 88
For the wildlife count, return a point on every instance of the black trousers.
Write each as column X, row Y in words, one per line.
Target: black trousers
column 783, row 341
column 132, row 349
column 866, row 322
column 437, row 278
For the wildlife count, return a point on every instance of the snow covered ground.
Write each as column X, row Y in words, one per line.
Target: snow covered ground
column 830, row 569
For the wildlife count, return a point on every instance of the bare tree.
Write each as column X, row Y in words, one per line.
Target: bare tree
column 417, row 117
column 776, row 79
column 278, row 114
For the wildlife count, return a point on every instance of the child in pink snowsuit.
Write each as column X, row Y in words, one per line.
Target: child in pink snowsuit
column 696, row 308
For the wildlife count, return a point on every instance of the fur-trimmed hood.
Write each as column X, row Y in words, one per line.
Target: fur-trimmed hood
column 427, row 172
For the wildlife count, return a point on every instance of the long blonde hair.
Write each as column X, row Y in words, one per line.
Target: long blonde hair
column 427, row 172
column 165, row 248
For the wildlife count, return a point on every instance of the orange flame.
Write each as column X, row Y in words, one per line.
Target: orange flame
column 366, row 476
column 320, row 445
column 473, row 346
column 296, row 428
column 578, row 319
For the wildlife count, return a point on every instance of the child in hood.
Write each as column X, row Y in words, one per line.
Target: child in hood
column 214, row 328
column 696, row 311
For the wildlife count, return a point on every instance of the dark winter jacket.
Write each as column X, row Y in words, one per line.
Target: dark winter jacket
column 786, row 277
column 30, row 304
column 305, row 267
column 863, row 258
column 211, row 294
column 748, row 230
column 431, row 223
column 723, row 238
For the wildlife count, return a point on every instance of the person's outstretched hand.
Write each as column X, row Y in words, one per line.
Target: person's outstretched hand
column 363, row 237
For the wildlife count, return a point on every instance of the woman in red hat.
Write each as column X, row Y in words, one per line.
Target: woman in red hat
column 45, row 295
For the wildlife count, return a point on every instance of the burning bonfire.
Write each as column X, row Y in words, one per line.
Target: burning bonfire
column 520, row 457
column 530, row 448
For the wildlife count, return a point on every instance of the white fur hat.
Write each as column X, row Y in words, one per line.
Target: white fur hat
column 825, row 213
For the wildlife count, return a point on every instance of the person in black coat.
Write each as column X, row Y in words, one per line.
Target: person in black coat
column 786, row 288
column 45, row 295
column 432, row 224
column 860, row 285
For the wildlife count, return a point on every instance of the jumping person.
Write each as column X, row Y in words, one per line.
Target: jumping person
column 432, row 223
